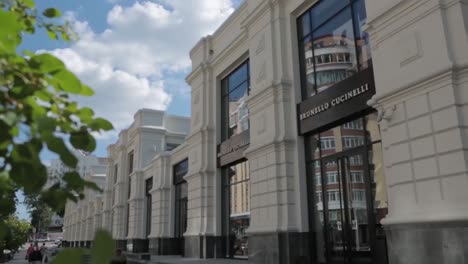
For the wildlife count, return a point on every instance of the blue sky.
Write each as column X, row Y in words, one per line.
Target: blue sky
column 134, row 54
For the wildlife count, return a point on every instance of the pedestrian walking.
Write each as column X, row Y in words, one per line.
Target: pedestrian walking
column 35, row 257
column 29, row 251
column 44, row 252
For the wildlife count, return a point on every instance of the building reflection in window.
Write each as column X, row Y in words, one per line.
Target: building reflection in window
column 351, row 141
column 238, row 188
column 333, row 44
column 235, row 89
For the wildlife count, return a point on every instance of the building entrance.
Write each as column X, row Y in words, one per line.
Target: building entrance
column 181, row 199
column 347, row 210
column 347, row 191
column 181, row 215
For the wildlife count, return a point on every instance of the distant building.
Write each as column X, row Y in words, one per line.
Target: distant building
column 87, row 164
column 121, row 208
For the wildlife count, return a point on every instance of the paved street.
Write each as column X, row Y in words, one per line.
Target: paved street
column 19, row 257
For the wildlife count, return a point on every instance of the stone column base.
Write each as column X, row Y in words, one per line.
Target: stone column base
column 87, row 244
column 138, row 245
column 280, row 248
column 164, row 246
column 122, row 244
column 204, row 247
column 428, row 243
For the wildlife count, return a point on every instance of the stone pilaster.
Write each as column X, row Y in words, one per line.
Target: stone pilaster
column 421, row 68
column 276, row 233
column 162, row 231
column 136, row 231
column 203, row 196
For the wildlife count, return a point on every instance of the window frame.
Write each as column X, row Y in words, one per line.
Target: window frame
column 304, row 62
column 225, row 92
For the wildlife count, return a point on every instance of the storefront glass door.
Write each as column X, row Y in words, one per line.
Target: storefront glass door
column 347, row 207
column 347, row 193
column 181, row 214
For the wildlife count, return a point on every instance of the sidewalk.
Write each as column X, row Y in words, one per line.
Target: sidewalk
column 179, row 259
column 19, row 258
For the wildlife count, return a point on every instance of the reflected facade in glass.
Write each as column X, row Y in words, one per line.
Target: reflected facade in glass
column 235, row 112
column 181, row 198
column 236, row 190
column 149, row 204
column 333, row 45
column 347, row 182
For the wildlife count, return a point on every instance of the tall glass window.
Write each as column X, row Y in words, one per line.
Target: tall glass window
column 236, row 190
column 116, row 171
column 130, row 170
column 181, row 202
column 235, row 112
column 130, row 162
column 332, row 44
column 149, row 204
column 341, row 175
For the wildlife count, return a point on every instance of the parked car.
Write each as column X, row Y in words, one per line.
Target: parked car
column 8, row 254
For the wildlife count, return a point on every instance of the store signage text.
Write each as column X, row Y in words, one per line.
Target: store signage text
column 232, row 150
column 335, row 101
column 340, row 101
column 233, row 144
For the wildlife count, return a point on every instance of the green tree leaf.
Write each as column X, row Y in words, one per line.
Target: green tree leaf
column 47, row 63
column 74, row 180
column 68, row 82
column 85, row 114
column 69, row 256
column 100, row 123
column 52, row 12
column 103, row 248
column 83, row 140
column 10, row 33
column 86, row 91
column 29, row 3
column 56, row 145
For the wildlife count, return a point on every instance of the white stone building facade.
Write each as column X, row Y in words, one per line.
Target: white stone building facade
column 331, row 131
column 135, row 158
column 84, row 218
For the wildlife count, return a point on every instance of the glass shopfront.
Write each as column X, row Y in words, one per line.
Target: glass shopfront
column 347, row 192
column 181, row 201
column 235, row 139
column 237, row 209
column 149, row 204
column 345, row 173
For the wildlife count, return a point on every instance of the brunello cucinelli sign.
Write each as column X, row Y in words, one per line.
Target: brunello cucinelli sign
column 337, row 102
column 233, row 149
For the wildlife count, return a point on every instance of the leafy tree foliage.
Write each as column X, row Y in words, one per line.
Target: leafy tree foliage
column 40, row 212
column 16, row 234
column 38, row 113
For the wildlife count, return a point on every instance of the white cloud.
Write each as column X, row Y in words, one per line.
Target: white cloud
column 126, row 64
